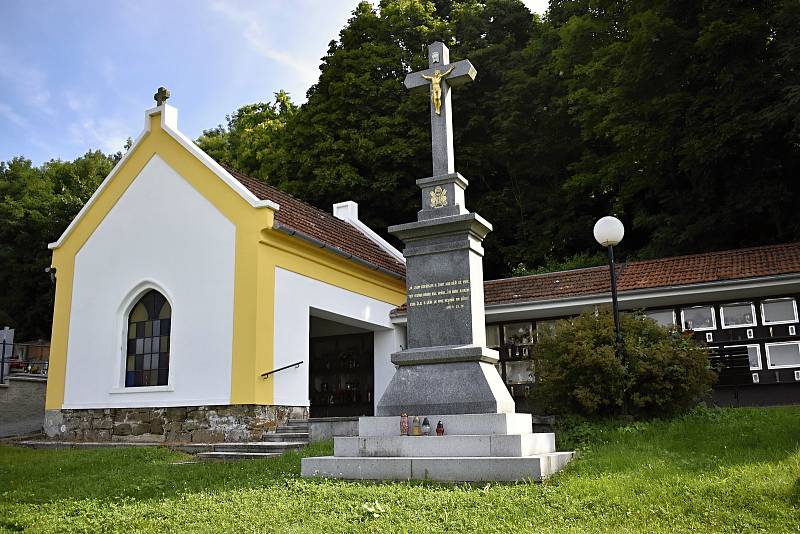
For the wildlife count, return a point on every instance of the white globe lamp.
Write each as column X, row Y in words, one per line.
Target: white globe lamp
column 609, row 231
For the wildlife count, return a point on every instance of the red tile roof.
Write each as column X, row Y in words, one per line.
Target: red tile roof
column 736, row 264
column 322, row 226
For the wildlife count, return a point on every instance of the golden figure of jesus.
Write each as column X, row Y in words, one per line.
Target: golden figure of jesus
column 436, row 87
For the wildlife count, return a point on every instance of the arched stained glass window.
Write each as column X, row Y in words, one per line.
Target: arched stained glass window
column 147, row 361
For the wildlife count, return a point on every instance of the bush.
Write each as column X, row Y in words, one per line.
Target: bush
column 664, row 372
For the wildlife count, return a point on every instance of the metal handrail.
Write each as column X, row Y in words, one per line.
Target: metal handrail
column 295, row 365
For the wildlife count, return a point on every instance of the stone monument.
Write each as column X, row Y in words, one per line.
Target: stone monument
column 444, row 278
column 446, row 373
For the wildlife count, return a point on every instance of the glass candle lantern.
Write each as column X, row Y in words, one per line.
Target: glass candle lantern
column 426, row 427
column 416, row 430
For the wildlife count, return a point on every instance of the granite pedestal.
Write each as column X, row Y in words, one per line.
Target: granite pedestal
column 486, row 447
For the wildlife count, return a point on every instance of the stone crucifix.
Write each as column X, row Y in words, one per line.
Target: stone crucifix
column 440, row 77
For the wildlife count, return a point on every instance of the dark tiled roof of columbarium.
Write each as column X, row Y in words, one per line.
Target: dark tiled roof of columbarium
column 308, row 220
column 728, row 265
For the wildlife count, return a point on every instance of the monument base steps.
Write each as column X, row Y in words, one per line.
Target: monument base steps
column 475, row 448
column 441, row 469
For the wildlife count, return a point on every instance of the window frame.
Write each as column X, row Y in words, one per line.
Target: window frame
column 527, row 361
column 674, row 315
column 504, row 338
column 770, row 323
column 499, row 327
column 129, row 303
column 743, row 325
column 704, row 328
column 758, row 349
column 769, row 363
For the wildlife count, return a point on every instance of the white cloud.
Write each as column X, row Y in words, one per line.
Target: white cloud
column 108, row 134
column 13, row 116
column 259, row 41
column 27, row 81
column 73, row 102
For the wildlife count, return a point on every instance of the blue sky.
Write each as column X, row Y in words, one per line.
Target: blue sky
column 78, row 75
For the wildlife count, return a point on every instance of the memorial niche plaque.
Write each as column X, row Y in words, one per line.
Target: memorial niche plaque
column 452, row 294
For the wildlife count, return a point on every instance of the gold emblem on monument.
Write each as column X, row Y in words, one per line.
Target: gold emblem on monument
column 438, row 197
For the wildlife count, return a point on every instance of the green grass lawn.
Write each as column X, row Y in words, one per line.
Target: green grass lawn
column 711, row 471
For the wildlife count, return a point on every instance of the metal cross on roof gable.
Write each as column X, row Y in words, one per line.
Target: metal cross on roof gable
column 440, row 77
column 161, row 95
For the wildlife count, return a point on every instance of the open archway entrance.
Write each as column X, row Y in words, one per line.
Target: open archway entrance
column 341, row 369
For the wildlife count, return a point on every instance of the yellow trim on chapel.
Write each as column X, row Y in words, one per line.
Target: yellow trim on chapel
column 259, row 251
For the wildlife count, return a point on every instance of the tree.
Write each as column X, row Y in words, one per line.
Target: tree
column 663, row 371
column 677, row 107
column 249, row 141
column 36, row 205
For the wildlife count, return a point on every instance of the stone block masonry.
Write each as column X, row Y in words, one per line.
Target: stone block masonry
column 186, row 424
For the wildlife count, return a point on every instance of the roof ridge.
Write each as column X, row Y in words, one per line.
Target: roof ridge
column 306, row 219
column 623, row 265
column 715, row 253
column 331, row 217
column 577, row 269
column 239, row 174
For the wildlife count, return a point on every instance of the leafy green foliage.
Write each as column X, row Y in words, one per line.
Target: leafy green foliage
column 679, row 117
column 36, row 205
column 661, row 372
column 251, row 135
column 712, row 470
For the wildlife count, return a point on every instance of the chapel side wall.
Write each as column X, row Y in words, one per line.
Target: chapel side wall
column 161, row 137
column 298, row 296
column 317, row 278
column 161, row 234
column 57, row 361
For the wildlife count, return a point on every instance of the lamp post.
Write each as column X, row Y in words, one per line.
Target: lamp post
column 608, row 231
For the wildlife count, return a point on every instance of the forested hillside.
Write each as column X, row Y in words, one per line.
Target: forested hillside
column 36, row 205
column 682, row 117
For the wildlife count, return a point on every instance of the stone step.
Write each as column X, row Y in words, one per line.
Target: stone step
column 260, row 446
column 228, row 456
column 291, row 429
column 486, row 445
column 296, row 422
column 41, row 444
column 462, row 424
column 277, row 447
column 192, row 448
column 286, row 436
column 443, row 469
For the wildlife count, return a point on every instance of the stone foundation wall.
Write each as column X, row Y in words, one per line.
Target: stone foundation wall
column 190, row 424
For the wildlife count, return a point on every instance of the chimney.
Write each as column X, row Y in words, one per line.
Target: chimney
column 346, row 211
